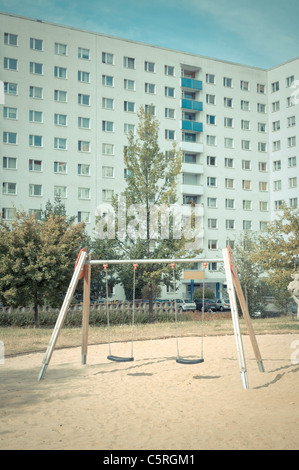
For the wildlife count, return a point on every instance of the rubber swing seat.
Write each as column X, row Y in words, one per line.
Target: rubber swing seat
column 181, row 360
column 120, row 359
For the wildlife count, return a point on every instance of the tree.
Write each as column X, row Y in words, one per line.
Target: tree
column 151, row 188
column 278, row 253
column 37, row 259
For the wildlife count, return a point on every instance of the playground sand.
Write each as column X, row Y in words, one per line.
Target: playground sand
column 153, row 403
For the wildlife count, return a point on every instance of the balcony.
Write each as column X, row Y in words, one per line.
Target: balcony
column 192, row 189
column 191, row 126
column 191, row 104
column 192, row 147
column 194, row 168
column 191, row 83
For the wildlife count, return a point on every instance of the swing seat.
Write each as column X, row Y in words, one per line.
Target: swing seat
column 120, row 359
column 181, row 360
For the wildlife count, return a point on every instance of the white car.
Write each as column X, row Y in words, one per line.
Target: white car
column 186, row 305
column 222, row 305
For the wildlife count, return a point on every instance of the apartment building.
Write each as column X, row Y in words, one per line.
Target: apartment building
column 71, row 97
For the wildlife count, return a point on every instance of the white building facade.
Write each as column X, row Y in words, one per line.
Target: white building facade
column 72, row 96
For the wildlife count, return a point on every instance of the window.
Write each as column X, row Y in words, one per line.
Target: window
column 108, row 172
column 59, row 72
column 211, row 140
column 169, row 70
column 60, row 167
column 211, row 160
column 35, row 116
column 210, row 99
column 228, row 142
column 107, row 58
column 35, row 165
column 212, row 223
column 261, row 127
column 211, row 119
column 263, row 166
column 36, row 92
column 245, row 144
column 60, row 49
column 289, row 80
column 10, row 64
column 129, row 62
column 150, row 88
column 210, row 78
column 291, row 141
column 84, row 217
column 10, row 39
column 244, row 85
column 230, row 224
column 245, row 105
column 228, row 102
column 261, row 88
column 35, row 190
column 228, row 122
column 229, row 162
column 36, row 44
column 169, row 134
column 107, row 80
column 274, row 86
column 246, row 165
column 169, row 91
column 275, row 126
column 83, row 123
column 60, row 119
column 262, row 146
column 294, row 202
column 10, row 88
column 245, row 125
column 108, row 149
column 60, row 191
column 229, row 203
column 149, row 66
column 291, row 101
column 277, row 185
column 83, row 146
column 83, row 53
column 59, row 143
column 83, row 76
column 247, row 224
column 83, row 193
column 277, row 165
column 292, row 162
column 129, row 128
column 247, row 205
column 261, row 108
column 10, row 113
column 264, row 206
column 36, row 68
column 276, row 145
column 293, row 182
column 212, row 181
column 9, row 163
column 278, row 204
column 83, row 99
column 291, row 121
column 60, row 96
column 107, row 195
column 213, row 244
column 83, row 169
column 129, row 84
column 129, row 106
column 263, row 186
column 9, row 188
column 227, row 82
column 189, row 158
column 9, row 137
column 229, row 183
column 108, row 126
column 275, row 106
column 246, row 184
column 8, row 214
column 169, row 113
column 212, row 202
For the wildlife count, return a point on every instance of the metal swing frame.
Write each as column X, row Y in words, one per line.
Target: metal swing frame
column 83, row 269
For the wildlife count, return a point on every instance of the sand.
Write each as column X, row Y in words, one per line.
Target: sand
column 153, row 403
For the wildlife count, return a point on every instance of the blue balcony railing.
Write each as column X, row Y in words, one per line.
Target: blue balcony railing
column 191, row 83
column 192, row 126
column 191, row 104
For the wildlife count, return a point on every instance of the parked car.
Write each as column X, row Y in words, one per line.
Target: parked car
column 210, row 305
column 186, row 305
column 222, row 305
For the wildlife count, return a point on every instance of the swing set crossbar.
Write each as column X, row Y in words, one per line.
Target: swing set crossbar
column 153, row 261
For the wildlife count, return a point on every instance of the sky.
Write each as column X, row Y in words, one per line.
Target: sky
column 259, row 33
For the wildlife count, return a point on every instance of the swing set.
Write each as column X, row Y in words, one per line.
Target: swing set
column 83, row 270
